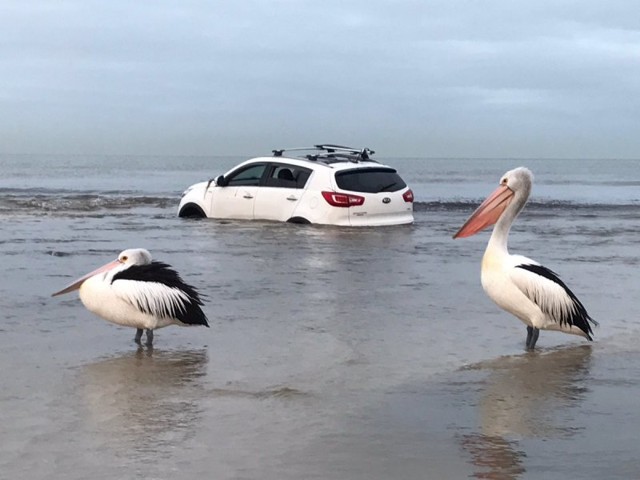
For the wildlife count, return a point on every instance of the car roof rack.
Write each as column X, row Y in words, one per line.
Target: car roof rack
column 330, row 153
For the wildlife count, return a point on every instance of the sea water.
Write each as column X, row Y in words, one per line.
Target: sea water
column 333, row 353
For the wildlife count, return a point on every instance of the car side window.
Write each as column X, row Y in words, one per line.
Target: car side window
column 288, row 176
column 248, row 176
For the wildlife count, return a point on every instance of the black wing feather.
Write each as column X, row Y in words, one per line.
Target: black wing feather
column 576, row 316
column 187, row 311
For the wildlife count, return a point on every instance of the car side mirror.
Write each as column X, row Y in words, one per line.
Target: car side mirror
column 221, row 181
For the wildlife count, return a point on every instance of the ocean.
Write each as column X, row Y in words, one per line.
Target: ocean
column 333, row 353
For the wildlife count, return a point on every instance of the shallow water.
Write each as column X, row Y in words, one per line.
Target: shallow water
column 332, row 353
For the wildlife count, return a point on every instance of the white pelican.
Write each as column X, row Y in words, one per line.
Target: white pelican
column 135, row 291
column 519, row 285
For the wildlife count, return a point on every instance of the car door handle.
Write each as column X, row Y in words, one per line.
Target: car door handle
column 293, row 198
column 247, row 195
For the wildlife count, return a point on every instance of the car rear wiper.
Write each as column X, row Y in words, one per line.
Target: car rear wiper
column 387, row 186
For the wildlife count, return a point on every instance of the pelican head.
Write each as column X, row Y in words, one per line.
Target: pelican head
column 519, row 180
column 134, row 256
column 126, row 259
column 515, row 187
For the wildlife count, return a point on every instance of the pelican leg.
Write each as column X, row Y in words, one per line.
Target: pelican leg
column 138, row 338
column 149, row 337
column 532, row 337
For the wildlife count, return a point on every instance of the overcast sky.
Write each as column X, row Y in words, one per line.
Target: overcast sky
column 476, row 78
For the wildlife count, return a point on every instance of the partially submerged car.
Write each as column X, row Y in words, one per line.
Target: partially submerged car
column 329, row 184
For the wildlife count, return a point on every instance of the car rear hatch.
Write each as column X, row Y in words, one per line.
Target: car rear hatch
column 376, row 195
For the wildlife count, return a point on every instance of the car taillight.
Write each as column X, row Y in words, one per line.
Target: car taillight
column 342, row 199
column 408, row 196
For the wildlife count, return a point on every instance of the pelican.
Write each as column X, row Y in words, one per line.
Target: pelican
column 517, row 284
column 135, row 291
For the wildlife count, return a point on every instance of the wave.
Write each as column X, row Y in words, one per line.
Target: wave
column 48, row 201
column 540, row 206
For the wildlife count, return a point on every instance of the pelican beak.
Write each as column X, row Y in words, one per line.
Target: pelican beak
column 77, row 283
column 487, row 213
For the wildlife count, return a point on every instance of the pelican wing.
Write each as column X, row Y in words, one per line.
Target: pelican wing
column 158, row 290
column 544, row 288
column 152, row 298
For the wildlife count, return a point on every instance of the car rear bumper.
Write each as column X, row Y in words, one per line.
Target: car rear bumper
column 381, row 220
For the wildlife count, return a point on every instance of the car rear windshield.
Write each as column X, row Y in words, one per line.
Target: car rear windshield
column 370, row 180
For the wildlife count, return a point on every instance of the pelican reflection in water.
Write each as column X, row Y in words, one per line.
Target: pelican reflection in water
column 535, row 395
column 137, row 401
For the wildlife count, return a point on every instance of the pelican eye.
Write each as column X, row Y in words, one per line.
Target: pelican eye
column 124, row 258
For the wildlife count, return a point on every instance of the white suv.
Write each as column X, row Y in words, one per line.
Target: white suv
column 330, row 185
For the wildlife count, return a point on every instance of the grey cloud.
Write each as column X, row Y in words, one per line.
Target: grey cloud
column 438, row 78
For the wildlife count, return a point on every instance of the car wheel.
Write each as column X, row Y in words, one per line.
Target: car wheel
column 191, row 210
column 300, row 220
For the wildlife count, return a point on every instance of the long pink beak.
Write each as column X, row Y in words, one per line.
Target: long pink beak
column 487, row 213
column 77, row 283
